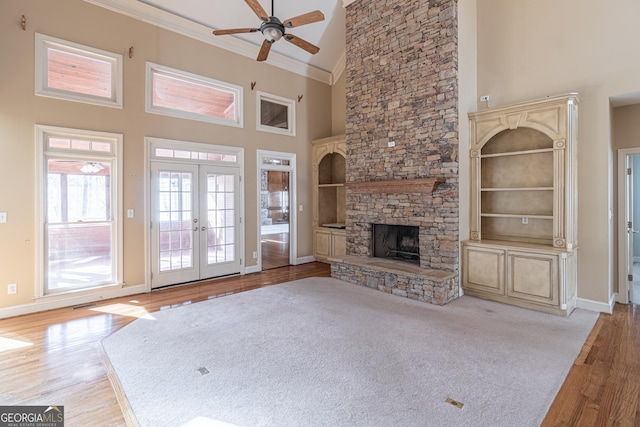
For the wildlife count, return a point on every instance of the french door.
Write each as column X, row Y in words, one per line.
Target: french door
column 195, row 222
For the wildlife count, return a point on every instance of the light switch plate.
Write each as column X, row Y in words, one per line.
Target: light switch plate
column 3, row 217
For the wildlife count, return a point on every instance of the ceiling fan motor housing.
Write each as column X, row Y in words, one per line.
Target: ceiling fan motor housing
column 272, row 30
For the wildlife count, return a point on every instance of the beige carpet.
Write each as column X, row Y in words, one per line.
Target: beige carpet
column 322, row 352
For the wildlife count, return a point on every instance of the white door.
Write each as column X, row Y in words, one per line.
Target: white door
column 630, row 226
column 194, row 222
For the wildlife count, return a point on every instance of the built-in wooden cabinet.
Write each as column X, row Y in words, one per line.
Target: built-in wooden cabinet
column 329, row 197
column 523, row 224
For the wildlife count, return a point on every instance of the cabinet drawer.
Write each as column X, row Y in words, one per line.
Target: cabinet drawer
column 532, row 277
column 483, row 269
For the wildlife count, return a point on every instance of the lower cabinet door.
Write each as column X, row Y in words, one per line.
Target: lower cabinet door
column 532, row 277
column 339, row 246
column 323, row 244
column 483, row 269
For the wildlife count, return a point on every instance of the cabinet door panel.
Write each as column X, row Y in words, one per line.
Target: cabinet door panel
column 323, row 240
column 483, row 269
column 339, row 244
column 532, row 277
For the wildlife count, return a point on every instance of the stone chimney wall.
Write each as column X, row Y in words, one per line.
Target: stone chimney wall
column 402, row 87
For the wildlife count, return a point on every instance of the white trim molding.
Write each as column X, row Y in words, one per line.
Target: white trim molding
column 305, row 260
column 346, row 3
column 71, row 299
column 597, row 306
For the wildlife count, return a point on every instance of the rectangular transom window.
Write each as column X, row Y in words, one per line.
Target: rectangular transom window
column 276, row 114
column 189, row 96
column 74, row 72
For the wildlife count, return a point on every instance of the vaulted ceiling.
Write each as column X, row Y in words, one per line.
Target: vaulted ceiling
column 198, row 18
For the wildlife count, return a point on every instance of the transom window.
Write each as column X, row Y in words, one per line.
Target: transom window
column 276, row 114
column 181, row 94
column 74, row 72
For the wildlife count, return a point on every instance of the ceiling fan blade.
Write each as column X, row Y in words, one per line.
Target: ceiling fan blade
column 307, row 18
column 264, row 50
column 235, row 31
column 302, row 43
column 258, row 10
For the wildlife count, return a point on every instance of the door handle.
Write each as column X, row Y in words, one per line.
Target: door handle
column 203, row 228
column 195, row 228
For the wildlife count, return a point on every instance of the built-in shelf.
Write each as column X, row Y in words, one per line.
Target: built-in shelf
column 524, row 215
column 329, row 197
column 523, row 228
column 517, row 153
column 518, row 189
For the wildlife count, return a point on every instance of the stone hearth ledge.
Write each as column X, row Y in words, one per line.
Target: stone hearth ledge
column 397, row 278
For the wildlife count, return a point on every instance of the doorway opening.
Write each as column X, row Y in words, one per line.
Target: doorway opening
column 629, row 226
column 277, row 209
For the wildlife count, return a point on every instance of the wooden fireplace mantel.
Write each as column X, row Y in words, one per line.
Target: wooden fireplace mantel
column 423, row 185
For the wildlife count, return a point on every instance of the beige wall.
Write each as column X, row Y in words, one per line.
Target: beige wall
column 83, row 23
column 339, row 106
column 533, row 48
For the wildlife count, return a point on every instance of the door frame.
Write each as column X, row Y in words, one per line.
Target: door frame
column 149, row 146
column 293, row 206
column 623, row 250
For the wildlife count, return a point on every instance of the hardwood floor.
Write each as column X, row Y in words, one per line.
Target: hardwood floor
column 60, row 359
column 275, row 250
column 603, row 386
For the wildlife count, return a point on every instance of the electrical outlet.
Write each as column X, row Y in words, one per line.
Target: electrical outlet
column 391, row 144
column 525, row 220
column 3, row 217
column 484, row 98
column 12, row 288
column 255, row 255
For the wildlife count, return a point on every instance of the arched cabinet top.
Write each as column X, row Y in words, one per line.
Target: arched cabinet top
column 549, row 116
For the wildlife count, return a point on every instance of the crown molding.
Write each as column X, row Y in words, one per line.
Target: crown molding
column 339, row 68
column 163, row 19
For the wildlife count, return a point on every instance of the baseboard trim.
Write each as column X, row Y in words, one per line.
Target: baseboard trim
column 305, row 260
column 71, row 300
column 598, row 306
column 252, row 269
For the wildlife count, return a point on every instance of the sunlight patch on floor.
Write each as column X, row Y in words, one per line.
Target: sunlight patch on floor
column 7, row 344
column 125, row 310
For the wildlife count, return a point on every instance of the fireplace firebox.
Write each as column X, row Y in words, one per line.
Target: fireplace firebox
column 398, row 242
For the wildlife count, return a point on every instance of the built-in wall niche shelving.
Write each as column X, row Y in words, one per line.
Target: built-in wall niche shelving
column 329, row 197
column 516, row 187
column 523, row 224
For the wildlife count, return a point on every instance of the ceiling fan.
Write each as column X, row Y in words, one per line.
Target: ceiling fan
column 273, row 29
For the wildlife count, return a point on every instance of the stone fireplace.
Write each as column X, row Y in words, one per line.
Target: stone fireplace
column 402, row 144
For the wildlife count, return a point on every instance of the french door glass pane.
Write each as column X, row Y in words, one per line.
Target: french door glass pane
column 79, row 224
column 175, row 220
column 221, row 218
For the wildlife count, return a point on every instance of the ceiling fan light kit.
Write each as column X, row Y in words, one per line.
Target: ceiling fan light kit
column 273, row 29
